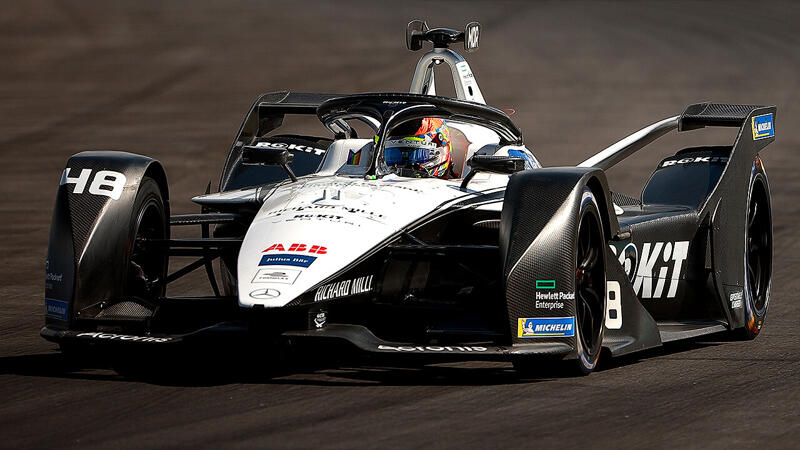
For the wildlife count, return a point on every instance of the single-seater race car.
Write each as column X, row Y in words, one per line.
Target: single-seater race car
column 348, row 238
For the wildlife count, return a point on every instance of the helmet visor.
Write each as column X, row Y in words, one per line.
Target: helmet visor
column 404, row 155
column 407, row 151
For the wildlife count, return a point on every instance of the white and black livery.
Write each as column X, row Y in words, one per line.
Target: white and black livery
column 315, row 239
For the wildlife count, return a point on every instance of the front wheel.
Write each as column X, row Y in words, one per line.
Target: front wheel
column 590, row 297
column 590, row 285
column 147, row 263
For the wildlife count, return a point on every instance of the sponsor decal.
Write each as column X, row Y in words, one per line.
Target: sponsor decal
column 292, row 260
column 332, row 183
column 287, row 260
column 51, row 277
column 697, row 159
column 56, row 309
column 335, row 218
column 339, row 208
column 57, row 277
column 433, row 348
column 762, row 127
column 628, row 258
column 354, row 157
column 736, row 299
column 295, row 147
column 550, row 305
column 330, row 217
column 123, row 337
column 661, row 262
column 316, row 249
column 613, row 305
column 105, row 182
column 265, row 294
column 319, row 319
column 473, row 33
column 555, row 296
column 282, row 276
column 545, row 327
column 344, row 288
column 545, row 284
column 550, row 285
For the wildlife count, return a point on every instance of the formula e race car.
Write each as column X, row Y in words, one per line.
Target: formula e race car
column 320, row 239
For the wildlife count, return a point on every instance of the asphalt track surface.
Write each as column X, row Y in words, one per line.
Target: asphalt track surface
column 174, row 80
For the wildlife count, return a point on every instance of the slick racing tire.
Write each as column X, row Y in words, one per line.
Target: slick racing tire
column 147, row 263
column 590, row 298
column 590, row 285
column 757, row 255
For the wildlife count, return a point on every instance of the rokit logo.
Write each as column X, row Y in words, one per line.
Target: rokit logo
column 697, row 159
column 297, row 147
column 656, row 259
column 628, row 258
column 659, row 267
column 105, row 182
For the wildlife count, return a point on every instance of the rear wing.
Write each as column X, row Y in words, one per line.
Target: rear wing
column 756, row 123
column 707, row 114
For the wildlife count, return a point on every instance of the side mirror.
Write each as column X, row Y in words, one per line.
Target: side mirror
column 472, row 33
column 268, row 157
column 494, row 164
column 414, row 32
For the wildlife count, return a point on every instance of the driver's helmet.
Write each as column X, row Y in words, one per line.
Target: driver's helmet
column 418, row 146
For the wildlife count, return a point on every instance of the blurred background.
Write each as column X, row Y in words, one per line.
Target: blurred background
column 173, row 80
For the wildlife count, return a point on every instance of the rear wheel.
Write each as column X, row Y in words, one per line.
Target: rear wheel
column 758, row 258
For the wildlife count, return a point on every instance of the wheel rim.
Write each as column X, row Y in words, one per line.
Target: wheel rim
column 759, row 247
column 147, row 265
column 589, row 282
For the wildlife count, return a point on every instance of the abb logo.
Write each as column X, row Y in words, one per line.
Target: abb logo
column 317, row 249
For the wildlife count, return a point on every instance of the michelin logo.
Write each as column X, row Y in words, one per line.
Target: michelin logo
column 56, row 309
column 545, row 327
column 762, row 127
